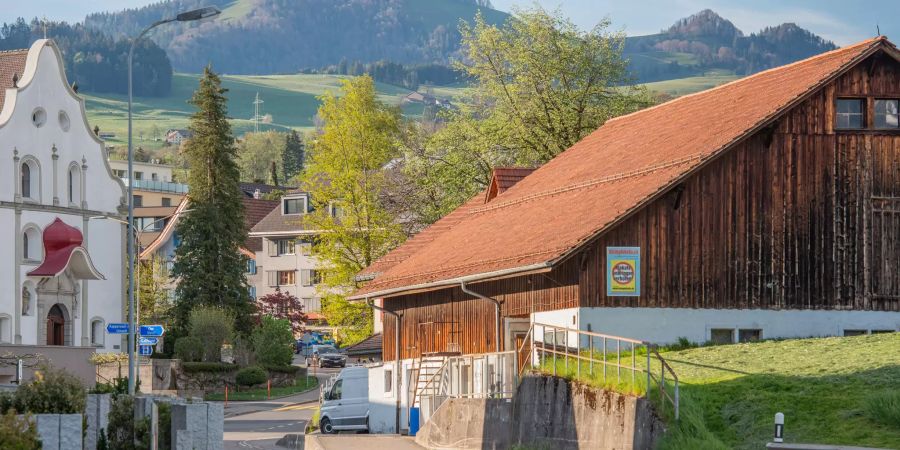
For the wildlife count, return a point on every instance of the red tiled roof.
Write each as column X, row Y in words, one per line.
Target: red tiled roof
column 254, row 211
column 12, row 63
column 607, row 175
column 505, row 178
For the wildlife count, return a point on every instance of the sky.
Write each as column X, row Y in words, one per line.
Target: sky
column 843, row 22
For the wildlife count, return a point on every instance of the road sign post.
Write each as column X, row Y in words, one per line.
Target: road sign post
column 146, row 350
column 152, row 330
column 148, row 341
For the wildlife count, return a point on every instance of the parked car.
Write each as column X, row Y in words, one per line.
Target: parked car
column 345, row 406
column 325, row 356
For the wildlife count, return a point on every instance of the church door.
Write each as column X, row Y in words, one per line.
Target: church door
column 56, row 326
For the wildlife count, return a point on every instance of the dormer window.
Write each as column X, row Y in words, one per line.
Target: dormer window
column 296, row 205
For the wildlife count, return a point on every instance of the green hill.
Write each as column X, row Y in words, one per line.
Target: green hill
column 291, row 100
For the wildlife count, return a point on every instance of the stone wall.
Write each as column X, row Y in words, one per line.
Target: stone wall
column 196, row 383
column 547, row 412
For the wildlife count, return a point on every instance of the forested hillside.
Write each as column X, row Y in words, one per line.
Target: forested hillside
column 95, row 61
column 286, row 36
column 706, row 41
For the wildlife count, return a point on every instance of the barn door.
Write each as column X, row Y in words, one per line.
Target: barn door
column 886, row 247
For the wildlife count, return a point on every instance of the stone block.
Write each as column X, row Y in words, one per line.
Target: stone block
column 192, row 418
column 96, row 416
column 48, row 430
column 215, row 426
column 70, row 427
column 182, row 440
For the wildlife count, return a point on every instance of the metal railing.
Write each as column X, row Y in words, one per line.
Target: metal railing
column 584, row 350
column 486, row 375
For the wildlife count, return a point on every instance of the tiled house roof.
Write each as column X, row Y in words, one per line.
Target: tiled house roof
column 369, row 346
column 12, row 64
column 607, row 176
column 254, row 211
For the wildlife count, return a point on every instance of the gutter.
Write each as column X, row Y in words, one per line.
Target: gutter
column 485, row 276
column 497, row 304
column 397, row 368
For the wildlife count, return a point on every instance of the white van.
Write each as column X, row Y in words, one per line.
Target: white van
column 345, row 405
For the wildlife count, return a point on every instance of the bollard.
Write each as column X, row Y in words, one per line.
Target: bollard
column 226, row 395
column 779, row 428
column 268, row 389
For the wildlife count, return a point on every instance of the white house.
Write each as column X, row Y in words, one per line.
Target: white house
column 62, row 264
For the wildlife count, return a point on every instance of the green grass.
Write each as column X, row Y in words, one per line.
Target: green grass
column 839, row 391
column 690, row 85
column 291, row 100
column 301, row 384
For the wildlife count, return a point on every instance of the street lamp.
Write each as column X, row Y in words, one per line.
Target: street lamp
column 197, row 14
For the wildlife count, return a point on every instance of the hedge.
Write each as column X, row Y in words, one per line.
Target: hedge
column 282, row 369
column 194, row 367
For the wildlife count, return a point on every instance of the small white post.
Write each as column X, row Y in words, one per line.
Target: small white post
column 779, row 427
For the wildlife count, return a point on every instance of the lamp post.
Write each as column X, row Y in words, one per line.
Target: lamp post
column 189, row 16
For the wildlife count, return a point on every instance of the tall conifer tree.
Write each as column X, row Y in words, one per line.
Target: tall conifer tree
column 293, row 157
column 208, row 262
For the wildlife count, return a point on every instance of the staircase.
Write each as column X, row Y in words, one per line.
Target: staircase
column 427, row 366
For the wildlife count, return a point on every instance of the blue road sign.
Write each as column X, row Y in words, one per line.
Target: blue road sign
column 152, row 330
column 117, row 328
column 148, row 341
column 146, row 350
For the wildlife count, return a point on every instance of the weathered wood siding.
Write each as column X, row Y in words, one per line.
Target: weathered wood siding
column 798, row 216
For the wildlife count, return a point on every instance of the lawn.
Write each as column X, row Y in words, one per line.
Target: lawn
column 839, row 391
column 301, row 384
column 690, row 85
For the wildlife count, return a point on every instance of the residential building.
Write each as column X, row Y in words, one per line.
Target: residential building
column 143, row 171
column 177, row 136
column 285, row 259
column 61, row 274
column 156, row 196
column 762, row 208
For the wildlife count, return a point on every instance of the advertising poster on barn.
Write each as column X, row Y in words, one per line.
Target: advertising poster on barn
column 623, row 271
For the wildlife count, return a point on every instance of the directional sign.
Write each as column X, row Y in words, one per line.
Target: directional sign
column 152, row 330
column 148, row 341
column 146, row 350
column 117, row 328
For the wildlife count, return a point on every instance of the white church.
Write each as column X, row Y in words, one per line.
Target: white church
column 62, row 264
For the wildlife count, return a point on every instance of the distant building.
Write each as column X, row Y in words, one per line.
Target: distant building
column 61, row 273
column 149, row 171
column 177, row 136
column 156, row 196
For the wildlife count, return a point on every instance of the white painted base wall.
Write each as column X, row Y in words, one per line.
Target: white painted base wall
column 666, row 325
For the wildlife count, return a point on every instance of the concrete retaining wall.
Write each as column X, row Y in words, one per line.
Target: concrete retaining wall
column 59, row 431
column 547, row 412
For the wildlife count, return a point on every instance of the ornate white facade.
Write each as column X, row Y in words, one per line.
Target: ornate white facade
column 53, row 167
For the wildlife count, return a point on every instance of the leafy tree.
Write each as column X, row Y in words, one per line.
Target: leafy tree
column 257, row 152
column 540, row 85
column 154, row 299
column 273, row 342
column 212, row 327
column 358, row 138
column 355, row 318
column 208, row 263
column 293, row 156
column 282, row 305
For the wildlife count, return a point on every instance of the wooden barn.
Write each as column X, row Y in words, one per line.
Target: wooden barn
column 766, row 207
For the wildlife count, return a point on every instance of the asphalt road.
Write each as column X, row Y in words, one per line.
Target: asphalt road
column 260, row 425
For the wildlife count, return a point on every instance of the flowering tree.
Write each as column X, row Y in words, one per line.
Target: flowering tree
column 282, row 305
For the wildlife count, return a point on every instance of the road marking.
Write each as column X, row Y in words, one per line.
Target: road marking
column 296, row 407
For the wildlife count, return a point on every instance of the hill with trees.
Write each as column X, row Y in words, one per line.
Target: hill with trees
column 705, row 41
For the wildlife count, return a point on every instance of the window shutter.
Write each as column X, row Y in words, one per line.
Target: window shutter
column 304, row 277
column 272, row 278
column 273, row 248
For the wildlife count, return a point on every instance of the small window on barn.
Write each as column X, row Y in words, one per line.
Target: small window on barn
column 388, row 382
column 721, row 335
column 848, row 333
column 850, row 113
column 887, row 114
column 882, row 331
column 749, row 335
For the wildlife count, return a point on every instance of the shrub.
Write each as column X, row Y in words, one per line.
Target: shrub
column 209, row 367
column 274, row 342
column 251, row 376
column 188, row 349
column 164, row 413
column 213, row 327
column 282, row 369
column 18, row 433
column 884, row 408
column 116, row 386
column 122, row 432
column 243, row 352
column 51, row 391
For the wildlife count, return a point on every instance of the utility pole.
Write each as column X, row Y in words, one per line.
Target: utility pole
column 256, row 116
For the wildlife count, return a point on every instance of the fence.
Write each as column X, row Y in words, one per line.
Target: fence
column 564, row 348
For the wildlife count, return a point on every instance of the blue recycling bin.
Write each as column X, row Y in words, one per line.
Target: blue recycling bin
column 413, row 421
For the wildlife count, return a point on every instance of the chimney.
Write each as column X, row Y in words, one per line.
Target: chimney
column 257, row 194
